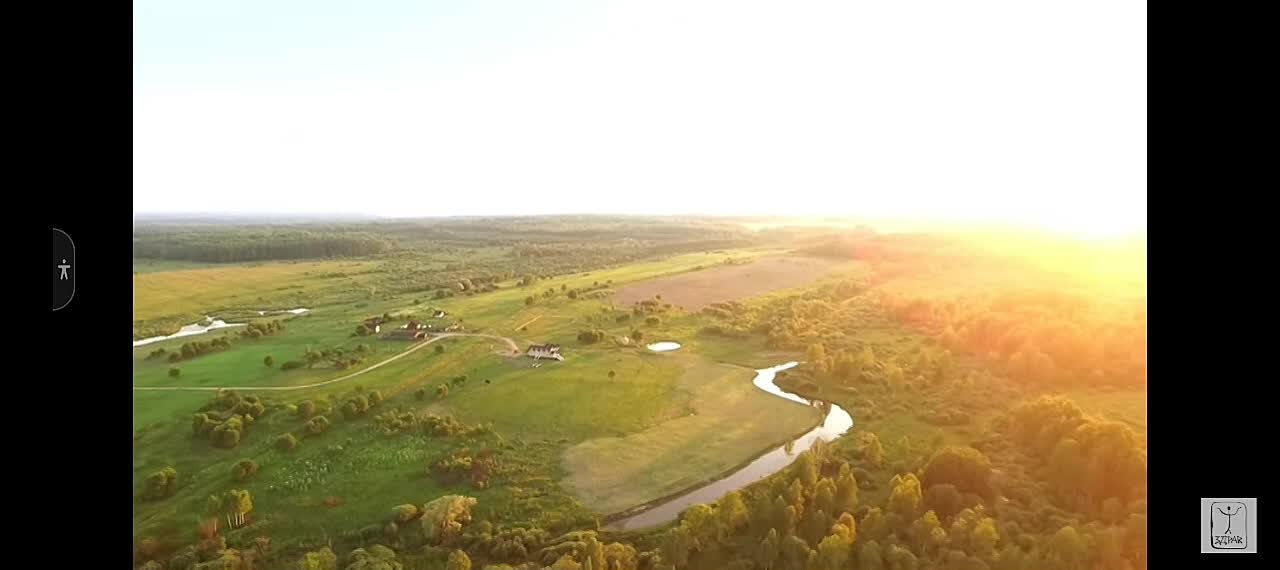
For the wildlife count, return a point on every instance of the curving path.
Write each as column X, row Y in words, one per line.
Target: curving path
column 511, row 343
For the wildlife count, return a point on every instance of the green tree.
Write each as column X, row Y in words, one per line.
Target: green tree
column 795, row 553
column 806, row 470
column 795, row 494
column 637, row 335
column 874, row 525
column 927, row 535
column 731, row 512
column 824, row 496
column 983, row 539
column 612, row 374
column 268, row 361
column 377, row 557
column 442, row 519
column 905, row 498
column 872, row 451
column 965, row 467
column 700, row 521
column 675, row 549
column 846, row 500
column 528, row 300
column 439, row 349
column 814, row 526
column 161, row 484
column 174, row 372
column 945, row 499
column 1065, row 550
column 833, row 552
column 458, row 560
column 869, row 556
column 767, row 555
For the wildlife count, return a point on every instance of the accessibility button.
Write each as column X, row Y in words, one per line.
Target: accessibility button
column 63, row 269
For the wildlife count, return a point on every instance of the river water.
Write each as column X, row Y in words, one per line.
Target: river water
column 835, row 424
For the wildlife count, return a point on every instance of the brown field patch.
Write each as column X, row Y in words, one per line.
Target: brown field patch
column 698, row 289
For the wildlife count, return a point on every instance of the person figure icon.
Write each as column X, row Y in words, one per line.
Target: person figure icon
column 1230, row 515
column 64, row 267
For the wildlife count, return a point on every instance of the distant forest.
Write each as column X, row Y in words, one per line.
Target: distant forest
column 255, row 245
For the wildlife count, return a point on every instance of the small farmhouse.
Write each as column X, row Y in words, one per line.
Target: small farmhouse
column 413, row 325
column 549, row 351
column 374, row 325
column 405, row 334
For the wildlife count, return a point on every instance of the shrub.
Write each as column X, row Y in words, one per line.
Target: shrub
column 421, row 393
column 225, row 436
column 268, row 361
column 286, row 441
column 317, row 425
column 292, row 364
column 439, row 349
column 244, row 469
column 174, row 372
column 405, row 513
column 161, row 484
column 306, row 408
column 652, row 321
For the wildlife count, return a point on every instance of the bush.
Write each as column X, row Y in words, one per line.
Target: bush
column 161, row 484
column 174, row 372
column 244, row 469
column 268, row 361
column 421, row 393
column 225, row 437
column 652, row 321
column 317, row 425
column 306, row 408
column 405, row 513
column 286, row 442
column 292, row 364
column 439, row 349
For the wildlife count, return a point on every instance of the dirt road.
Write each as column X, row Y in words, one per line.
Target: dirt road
column 515, row 349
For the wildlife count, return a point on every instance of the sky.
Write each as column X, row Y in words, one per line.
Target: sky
column 1022, row 112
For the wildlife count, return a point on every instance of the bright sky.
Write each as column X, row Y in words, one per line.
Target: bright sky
column 1029, row 112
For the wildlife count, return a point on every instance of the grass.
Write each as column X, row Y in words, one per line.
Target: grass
column 188, row 292
column 722, row 421
column 538, row 413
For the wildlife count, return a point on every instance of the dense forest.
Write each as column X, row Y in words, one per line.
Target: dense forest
column 255, row 245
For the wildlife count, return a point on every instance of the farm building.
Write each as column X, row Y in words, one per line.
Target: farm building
column 540, row 351
column 413, row 325
column 374, row 325
column 405, row 334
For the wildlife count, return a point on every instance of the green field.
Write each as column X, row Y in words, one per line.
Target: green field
column 612, row 427
column 722, row 421
column 558, row 410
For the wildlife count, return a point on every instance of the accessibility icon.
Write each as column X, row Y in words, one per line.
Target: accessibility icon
column 64, row 271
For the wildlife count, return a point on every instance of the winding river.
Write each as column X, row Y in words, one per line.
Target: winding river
column 834, row 424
